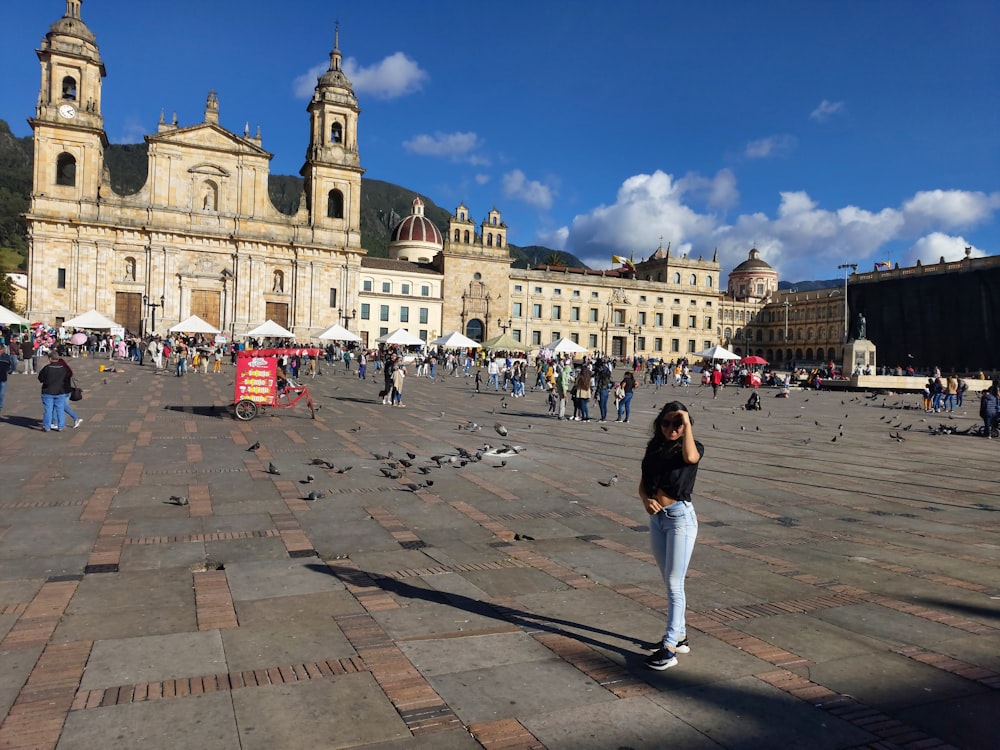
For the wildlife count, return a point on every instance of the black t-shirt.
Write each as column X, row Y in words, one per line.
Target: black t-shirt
column 665, row 469
column 6, row 366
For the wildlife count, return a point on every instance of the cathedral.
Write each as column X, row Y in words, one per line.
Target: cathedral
column 202, row 237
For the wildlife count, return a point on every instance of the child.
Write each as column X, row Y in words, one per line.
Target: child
column 553, row 402
column 479, row 379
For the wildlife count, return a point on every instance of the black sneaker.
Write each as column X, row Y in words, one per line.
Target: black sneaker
column 682, row 647
column 661, row 659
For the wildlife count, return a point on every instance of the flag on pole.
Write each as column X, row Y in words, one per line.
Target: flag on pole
column 882, row 264
column 624, row 261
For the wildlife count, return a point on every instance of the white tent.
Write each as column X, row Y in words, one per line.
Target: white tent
column 565, row 346
column 11, row 318
column 456, row 340
column 402, row 337
column 717, row 352
column 92, row 320
column 272, row 330
column 194, row 324
column 337, row 332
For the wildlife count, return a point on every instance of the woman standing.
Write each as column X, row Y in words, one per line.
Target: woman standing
column 625, row 405
column 669, row 468
column 55, row 391
column 583, row 392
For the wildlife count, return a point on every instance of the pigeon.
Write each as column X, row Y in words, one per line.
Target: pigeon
column 413, row 487
column 404, row 463
column 381, row 457
column 501, row 430
column 320, row 462
column 523, row 538
column 500, row 465
column 356, row 429
column 897, row 437
column 254, row 447
column 343, row 469
column 390, row 474
column 424, row 469
column 308, row 480
column 178, row 500
column 503, row 403
column 315, row 495
column 272, row 469
column 612, row 481
column 411, row 456
column 602, row 427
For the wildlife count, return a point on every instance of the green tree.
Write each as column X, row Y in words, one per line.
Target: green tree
column 554, row 259
column 6, row 290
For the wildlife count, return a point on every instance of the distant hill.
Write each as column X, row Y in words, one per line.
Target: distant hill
column 808, row 286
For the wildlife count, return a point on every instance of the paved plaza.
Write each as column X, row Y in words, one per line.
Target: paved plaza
column 844, row 591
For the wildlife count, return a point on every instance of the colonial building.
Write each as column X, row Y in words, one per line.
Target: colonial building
column 201, row 236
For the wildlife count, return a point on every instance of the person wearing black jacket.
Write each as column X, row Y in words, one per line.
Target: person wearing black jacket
column 54, row 378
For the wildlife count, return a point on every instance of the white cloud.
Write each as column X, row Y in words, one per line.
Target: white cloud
column 516, row 185
column 718, row 192
column 458, row 147
column 556, row 238
column 392, row 77
column 771, row 146
column 395, row 76
column 482, row 179
column 949, row 208
column 825, row 110
column 800, row 238
column 936, row 245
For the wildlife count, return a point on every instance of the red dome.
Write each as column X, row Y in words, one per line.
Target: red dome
column 417, row 228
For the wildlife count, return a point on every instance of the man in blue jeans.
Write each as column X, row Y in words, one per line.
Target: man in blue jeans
column 54, row 378
column 7, row 366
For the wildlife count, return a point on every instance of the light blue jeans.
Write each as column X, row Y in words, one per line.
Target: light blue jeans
column 53, row 411
column 672, row 535
column 625, row 406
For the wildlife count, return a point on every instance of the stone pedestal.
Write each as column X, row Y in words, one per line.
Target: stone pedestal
column 858, row 352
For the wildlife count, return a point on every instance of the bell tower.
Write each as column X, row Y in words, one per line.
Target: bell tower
column 68, row 126
column 333, row 170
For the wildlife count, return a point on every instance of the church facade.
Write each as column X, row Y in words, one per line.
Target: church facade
column 201, row 236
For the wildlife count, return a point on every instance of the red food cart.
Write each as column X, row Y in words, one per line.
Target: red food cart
column 259, row 385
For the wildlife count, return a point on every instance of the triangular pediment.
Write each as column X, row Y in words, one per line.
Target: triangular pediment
column 210, row 136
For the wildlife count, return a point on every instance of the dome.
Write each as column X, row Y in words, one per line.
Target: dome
column 71, row 25
column 417, row 228
column 753, row 263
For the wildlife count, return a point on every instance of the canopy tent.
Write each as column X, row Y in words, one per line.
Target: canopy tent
column 565, row 346
column 91, row 320
column 337, row 332
column 11, row 318
column 194, row 324
column 401, row 337
column 456, row 340
column 753, row 360
column 505, row 343
column 717, row 352
column 271, row 329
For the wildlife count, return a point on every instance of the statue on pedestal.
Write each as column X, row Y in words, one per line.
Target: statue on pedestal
column 862, row 327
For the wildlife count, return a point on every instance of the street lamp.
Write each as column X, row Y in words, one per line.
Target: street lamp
column 636, row 332
column 152, row 308
column 786, row 304
column 504, row 324
column 853, row 267
column 347, row 318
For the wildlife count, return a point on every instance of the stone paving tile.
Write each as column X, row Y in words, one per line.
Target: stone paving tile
column 804, row 577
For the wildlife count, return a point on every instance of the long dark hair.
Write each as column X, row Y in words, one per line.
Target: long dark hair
column 657, row 441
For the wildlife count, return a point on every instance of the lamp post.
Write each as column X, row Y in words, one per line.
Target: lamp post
column 504, row 324
column 786, row 305
column 636, row 332
column 151, row 306
column 347, row 318
column 853, row 267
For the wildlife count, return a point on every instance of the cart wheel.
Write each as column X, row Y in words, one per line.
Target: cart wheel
column 246, row 410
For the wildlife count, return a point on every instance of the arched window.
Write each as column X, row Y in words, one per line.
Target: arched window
column 677, row 278
column 709, row 282
column 770, row 335
column 474, row 329
column 336, row 133
column 335, row 205
column 69, row 88
column 466, row 238
column 831, row 354
column 489, row 239
column 809, row 354
column 659, row 276
column 760, row 335
column 458, row 235
column 493, row 221
column 461, row 216
column 499, row 240
column 693, row 280
column 209, row 196
column 66, row 170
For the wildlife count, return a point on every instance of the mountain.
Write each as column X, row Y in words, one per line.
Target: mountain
column 808, row 286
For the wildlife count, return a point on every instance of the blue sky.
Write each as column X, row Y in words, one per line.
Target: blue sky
column 848, row 131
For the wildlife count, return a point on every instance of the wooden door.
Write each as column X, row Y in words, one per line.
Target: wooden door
column 206, row 305
column 128, row 310
column 278, row 312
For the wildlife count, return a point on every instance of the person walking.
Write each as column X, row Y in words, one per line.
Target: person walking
column 989, row 407
column 7, row 366
column 398, row 376
column 669, row 469
column 54, row 378
column 625, row 404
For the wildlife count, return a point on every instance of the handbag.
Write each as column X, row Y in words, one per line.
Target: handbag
column 76, row 392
